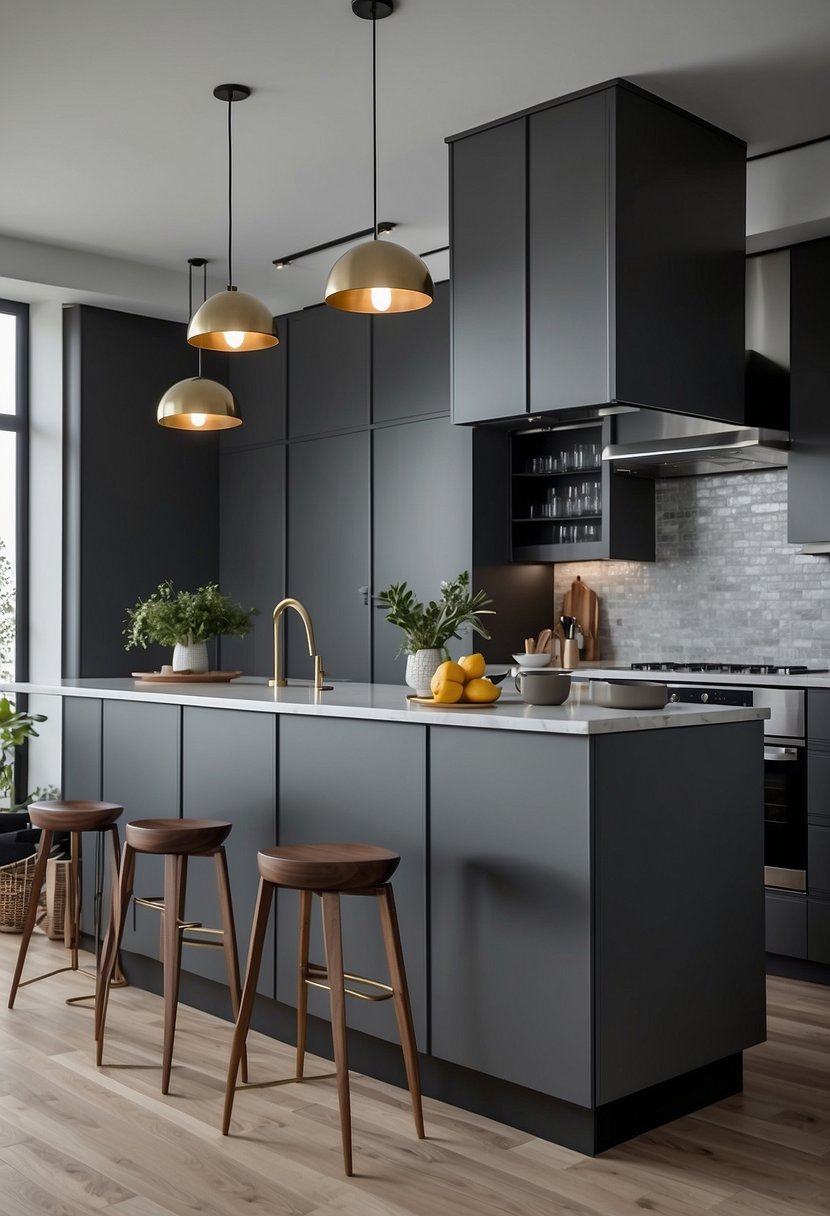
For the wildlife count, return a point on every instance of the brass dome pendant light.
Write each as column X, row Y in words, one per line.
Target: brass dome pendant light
column 232, row 320
column 378, row 276
column 198, row 404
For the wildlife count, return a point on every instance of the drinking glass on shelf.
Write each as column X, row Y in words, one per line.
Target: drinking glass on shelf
column 554, row 502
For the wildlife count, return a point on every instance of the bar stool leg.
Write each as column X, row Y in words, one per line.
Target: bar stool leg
column 403, row 1009
column 112, row 944
column 73, row 899
column 302, row 972
column 115, row 852
column 337, row 997
column 30, row 916
column 223, row 887
column 246, row 1005
column 175, row 881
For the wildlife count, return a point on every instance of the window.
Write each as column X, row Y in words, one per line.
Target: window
column 14, row 417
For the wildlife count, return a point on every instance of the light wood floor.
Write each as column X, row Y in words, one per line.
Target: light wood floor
column 74, row 1139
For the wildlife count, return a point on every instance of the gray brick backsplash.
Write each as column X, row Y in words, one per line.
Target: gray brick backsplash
column 725, row 585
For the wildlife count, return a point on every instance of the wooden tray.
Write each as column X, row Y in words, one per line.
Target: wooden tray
column 186, row 677
column 450, row 705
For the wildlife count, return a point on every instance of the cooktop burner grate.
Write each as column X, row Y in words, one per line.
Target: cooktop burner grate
column 755, row 669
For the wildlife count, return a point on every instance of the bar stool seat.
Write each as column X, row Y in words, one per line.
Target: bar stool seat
column 176, row 840
column 329, row 870
column 72, row 816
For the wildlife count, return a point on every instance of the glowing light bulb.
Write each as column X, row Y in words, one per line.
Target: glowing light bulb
column 198, row 419
column 234, row 338
column 381, row 298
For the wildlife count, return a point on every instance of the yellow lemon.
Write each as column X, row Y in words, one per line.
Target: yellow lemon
column 447, row 692
column 447, row 671
column 481, row 691
column 473, row 666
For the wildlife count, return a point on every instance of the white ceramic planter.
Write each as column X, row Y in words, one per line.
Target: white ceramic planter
column 420, row 668
column 191, row 658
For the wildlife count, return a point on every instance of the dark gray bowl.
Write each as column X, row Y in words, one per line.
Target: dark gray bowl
column 629, row 694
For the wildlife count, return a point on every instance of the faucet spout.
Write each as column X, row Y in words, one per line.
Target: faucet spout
column 279, row 680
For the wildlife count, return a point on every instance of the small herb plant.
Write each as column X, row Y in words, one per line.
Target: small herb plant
column 430, row 626
column 15, row 728
column 184, row 617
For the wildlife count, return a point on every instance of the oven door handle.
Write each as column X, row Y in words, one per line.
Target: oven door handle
column 781, row 754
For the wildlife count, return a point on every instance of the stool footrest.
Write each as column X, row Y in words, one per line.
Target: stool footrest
column 185, row 926
column 317, row 977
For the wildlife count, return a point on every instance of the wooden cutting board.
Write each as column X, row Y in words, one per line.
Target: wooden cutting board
column 580, row 601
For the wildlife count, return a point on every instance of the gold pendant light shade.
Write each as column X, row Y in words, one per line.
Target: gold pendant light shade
column 379, row 277
column 232, row 320
column 198, row 404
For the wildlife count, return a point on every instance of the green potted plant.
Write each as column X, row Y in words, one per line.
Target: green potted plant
column 185, row 620
column 16, row 726
column 428, row 627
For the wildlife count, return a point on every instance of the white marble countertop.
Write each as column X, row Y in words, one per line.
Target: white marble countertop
column 578, row 716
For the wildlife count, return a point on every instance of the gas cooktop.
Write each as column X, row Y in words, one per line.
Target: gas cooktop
column 755, row 669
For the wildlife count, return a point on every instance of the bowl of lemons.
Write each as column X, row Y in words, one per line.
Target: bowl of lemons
column 463, row 683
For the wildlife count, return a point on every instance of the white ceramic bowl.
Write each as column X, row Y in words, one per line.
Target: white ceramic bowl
column 532, row 660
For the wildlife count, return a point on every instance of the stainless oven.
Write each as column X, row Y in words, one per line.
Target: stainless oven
column 785, row 774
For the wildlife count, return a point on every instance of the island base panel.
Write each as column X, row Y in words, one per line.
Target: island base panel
column 586, row 1130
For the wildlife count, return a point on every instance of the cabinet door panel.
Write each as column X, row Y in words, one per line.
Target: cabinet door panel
column 360, row 781
column 818, row 860
column 818, row 930
column 257, row 380
column 328, row 553
column 492, row 886
column 411, row 361
column 487, row 240
column 422, row 533
column 786, row 925
column 229, row 772
column 808, row 483
column 328, row 372
column 141, row 767
column 818, row 714
column 82, row 719
column 568, row 269
column 251, row 550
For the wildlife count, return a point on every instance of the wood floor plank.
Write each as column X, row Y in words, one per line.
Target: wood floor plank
column 76, row 1139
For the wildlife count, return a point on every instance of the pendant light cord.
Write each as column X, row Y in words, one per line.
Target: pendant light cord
column 374, row 124
column 230, row 195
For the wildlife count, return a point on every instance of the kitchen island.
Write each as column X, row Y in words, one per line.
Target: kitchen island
column 580, row 891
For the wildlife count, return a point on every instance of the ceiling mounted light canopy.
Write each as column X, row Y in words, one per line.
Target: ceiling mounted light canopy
column 198, row 404
column 378, row 276
column 232, row 320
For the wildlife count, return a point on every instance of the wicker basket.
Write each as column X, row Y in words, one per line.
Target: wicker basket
column 15, row 889
column 54, row 925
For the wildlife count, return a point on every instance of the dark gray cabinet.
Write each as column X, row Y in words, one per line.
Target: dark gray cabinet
column 493, row 887
column 818, row 822
column 786, row 924
column 411, row 361
column 488, row 204
column 808, row 478
column 252, row 549
column 364, row 781
column 82, row 764
column 258, row 381
column 229, row 761
column 328, row 553
column 597, row 257
column 328, row 371
column 141, row 767
column 422, row 487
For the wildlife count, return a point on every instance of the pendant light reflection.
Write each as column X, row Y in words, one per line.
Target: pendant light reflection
column 232, row 320
column 198, row 404
column 378, row 276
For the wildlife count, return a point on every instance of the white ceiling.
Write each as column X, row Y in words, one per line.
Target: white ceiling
column 112, row 143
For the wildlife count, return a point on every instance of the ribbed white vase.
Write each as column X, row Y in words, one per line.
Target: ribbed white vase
column 420, row 668
column 191, row 658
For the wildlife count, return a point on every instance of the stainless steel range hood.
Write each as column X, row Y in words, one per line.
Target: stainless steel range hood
column 719, row 450
column 652, row 443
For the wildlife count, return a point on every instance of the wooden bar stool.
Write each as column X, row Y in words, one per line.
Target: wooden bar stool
column 74, row 817
column 176, row 840
column 329, row 870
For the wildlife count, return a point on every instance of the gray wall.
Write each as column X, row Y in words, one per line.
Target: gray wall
column 725, row 585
